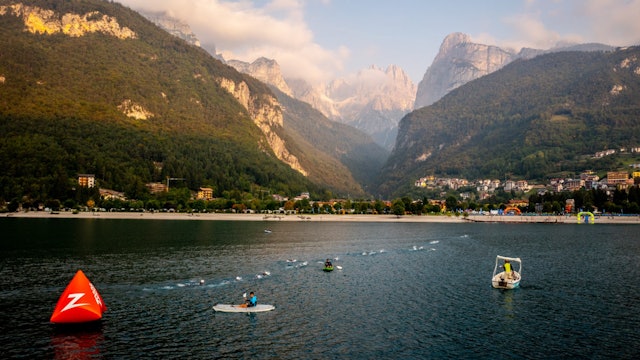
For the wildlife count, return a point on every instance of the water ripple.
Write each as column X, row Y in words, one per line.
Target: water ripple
column 404, row 291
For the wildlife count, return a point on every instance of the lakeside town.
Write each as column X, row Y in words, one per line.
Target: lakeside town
column 618, row 192
column 615, row 180
column 462, row 199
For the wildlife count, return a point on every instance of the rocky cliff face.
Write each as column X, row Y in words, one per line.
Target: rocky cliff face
column 373, row 101
column 43, row 21
column 265, row 70
column 458, row 62
column 267, row 115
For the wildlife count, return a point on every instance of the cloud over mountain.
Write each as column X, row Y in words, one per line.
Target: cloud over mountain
column 244, row 30
column 326, row 39
column 546, row 25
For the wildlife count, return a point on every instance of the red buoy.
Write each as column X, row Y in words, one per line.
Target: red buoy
column 80, row 302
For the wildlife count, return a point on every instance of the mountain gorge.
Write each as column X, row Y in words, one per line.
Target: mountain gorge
column 93, row 87
column 373, row 100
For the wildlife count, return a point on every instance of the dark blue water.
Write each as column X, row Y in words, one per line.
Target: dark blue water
column 405, row 290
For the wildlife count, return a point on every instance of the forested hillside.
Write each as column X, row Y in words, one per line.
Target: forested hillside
column 533, row 119
column 333, row 144
column 132, row 109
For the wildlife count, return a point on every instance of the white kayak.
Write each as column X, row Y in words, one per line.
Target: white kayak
column 242, row 309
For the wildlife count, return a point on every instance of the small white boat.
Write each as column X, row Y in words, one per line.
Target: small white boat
column 505, row 276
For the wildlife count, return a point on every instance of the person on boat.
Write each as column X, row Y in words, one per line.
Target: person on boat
column 252, row 300
column 328, row 264
column 508, row 270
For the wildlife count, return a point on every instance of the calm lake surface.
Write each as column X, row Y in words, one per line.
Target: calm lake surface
column 405, row 291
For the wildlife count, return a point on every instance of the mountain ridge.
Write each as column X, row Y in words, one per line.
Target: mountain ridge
column 531, row 119
column 460, row 60
column 179, row 111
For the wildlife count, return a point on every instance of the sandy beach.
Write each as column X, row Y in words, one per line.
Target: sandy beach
column 234, row 217
column 548, row 219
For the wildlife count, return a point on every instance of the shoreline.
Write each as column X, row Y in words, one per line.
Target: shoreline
column 552, row 219
column 511, row 219
column 236, row 217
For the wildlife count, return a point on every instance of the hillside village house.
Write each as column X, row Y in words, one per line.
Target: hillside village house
column 619, row 179
column 205, row 194
column 87, row 180
column 155, row 188
column 108, row 194
column 573, row 184
column 521, row 185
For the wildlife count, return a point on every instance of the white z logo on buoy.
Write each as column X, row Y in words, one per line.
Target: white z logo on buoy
column 72, row 304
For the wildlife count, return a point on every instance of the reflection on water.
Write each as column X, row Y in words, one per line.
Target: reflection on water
column 507, row 302
column 77, row 341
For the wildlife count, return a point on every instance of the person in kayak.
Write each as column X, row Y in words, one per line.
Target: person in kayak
column 252, row 300
column 328, row 264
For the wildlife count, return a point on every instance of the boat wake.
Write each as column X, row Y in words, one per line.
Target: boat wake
column 286, row 264
column 263, row 274
column 365, row 253
column 294, row 264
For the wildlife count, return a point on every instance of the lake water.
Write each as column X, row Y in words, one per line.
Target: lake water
column 406, row 290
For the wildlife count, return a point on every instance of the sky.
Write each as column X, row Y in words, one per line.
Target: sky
column 319, row 40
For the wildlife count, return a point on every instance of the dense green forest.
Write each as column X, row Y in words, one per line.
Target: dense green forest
column 61, row 114
column 533, row 119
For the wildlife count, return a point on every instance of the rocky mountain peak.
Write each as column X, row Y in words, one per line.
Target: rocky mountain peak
column 373, row 100
column 388, row 93
column 400, row 79
column 459, row 61
column 452, row 40
column 265, row 70
column 173, row 26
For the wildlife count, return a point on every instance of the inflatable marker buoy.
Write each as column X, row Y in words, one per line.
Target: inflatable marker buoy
column 79, row 302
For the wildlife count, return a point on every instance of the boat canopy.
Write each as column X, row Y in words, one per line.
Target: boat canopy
column 511, row 259
column 508, row 258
